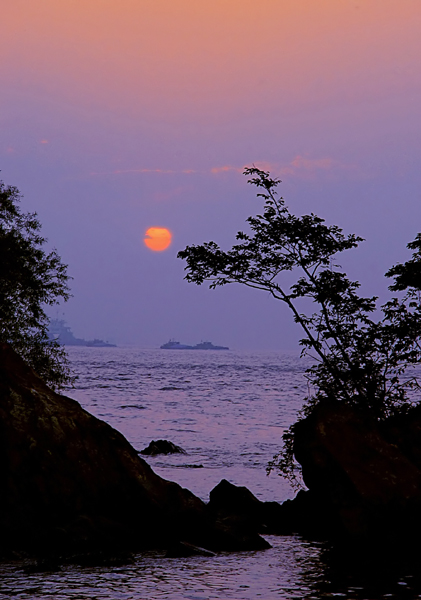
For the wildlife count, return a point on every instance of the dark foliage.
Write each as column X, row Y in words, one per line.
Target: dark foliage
column 30, row 280
column 358, row 360
column 408, row 275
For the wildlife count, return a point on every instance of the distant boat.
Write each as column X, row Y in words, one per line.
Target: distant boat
column 209, row 346
column 58, row 330
column 173, row 345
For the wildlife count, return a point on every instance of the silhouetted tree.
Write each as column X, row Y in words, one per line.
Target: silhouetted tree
column 30, row 280
column 357, row 360
column 408, row 275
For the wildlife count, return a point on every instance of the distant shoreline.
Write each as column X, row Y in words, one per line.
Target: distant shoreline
column 58, row 330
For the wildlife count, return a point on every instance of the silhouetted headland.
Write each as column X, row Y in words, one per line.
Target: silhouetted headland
column 61, row 332
column 73, row 484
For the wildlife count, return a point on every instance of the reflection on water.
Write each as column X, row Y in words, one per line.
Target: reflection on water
column 293, row 569
column 228, row 410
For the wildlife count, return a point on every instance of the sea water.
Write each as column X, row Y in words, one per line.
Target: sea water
column 228, row 411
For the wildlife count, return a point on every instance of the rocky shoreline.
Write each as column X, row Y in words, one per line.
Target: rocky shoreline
column 74, row 487
column 72, row 484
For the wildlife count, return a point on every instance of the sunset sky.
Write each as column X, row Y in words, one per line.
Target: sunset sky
column 117, row 117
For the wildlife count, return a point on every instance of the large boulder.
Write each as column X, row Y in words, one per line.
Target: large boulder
column 364, row 477
column 72, row 483
column 238, row 506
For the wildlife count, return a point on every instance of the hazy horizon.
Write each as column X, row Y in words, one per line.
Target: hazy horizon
column 116, row 118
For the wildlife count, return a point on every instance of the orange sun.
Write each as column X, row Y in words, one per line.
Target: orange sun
column 157, row 238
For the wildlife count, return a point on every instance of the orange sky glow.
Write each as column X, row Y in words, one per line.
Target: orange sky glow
column 115, row 115
column 159, row 58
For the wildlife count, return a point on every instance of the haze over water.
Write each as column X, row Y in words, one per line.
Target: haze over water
column 116, row 117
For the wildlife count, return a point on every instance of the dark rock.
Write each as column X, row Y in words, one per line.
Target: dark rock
column 238, row 535
column 72, row 484
column 364, row 476
column 101, row 559
column 404, row 431
column 184, row 549
column 307, row 514
column 231, row 498
column 238, row 506
column 44, row 565
column 162, row 447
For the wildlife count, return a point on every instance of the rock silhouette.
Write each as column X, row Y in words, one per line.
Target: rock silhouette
column 72, row 483
column 364, row 476
column 238, row 504
column 162, row 447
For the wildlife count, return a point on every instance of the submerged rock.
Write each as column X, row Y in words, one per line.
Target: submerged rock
column 162, row 447
column 73, row 484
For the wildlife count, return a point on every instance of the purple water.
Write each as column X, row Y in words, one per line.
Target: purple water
column 228, row 411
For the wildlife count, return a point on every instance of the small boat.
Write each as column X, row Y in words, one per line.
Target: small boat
column 209, row 346
column 174, row 345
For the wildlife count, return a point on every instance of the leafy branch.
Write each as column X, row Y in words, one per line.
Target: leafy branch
column 357, row 360
column 30, row 280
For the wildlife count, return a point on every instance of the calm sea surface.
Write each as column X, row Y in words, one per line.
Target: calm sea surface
column 228, row 411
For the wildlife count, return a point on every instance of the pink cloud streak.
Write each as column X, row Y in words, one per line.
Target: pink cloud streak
column 300, row 166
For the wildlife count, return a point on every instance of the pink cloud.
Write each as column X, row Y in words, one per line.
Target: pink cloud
column 226, row 169
column 300, row 166
column 307, row 168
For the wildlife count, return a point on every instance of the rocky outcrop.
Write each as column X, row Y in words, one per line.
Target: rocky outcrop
column 237, row 505
column 72, row 483
column 364, row 477
column 161, row 447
